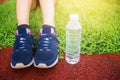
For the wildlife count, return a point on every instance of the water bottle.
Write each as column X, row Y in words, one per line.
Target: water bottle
column 73, row 35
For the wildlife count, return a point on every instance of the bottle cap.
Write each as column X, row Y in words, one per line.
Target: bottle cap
column 74, row 17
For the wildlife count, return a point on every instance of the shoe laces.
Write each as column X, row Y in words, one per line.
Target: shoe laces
column 21, row 42
column 45, row 42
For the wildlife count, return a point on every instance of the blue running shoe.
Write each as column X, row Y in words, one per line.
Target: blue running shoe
column 22, row 55
column 46, row 55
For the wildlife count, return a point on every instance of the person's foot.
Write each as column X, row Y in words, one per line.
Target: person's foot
column 46, row 55
column 22, row 55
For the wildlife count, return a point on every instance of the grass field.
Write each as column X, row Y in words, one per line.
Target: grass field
column 100, row 20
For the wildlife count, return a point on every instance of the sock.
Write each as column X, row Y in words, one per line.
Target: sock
column 47, row 29
column 23, row 29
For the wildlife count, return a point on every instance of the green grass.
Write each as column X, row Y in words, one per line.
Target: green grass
column 100, row 20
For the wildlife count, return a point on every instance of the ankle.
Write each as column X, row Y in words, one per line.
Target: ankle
column 23, row 26
column 23, row 29
column 47, row 29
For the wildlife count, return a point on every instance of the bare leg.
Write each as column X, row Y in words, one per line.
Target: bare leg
column 23, row 43
column 22, row 11
column 47, row 7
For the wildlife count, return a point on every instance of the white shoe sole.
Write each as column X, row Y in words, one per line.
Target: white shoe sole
column 21, row 65
column 42, row 65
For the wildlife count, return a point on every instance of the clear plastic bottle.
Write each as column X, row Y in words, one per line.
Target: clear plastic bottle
column 73, row 35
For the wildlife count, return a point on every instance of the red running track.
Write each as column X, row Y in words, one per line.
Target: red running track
column 94, row 67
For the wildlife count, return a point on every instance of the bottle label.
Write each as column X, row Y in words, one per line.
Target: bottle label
column 73, row 42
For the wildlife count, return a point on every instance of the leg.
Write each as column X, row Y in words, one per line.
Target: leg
column 46, row 55
column 22, row 55
column 23, row 10
column 47, row 7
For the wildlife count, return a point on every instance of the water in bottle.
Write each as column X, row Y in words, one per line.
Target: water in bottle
column 73, row 35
